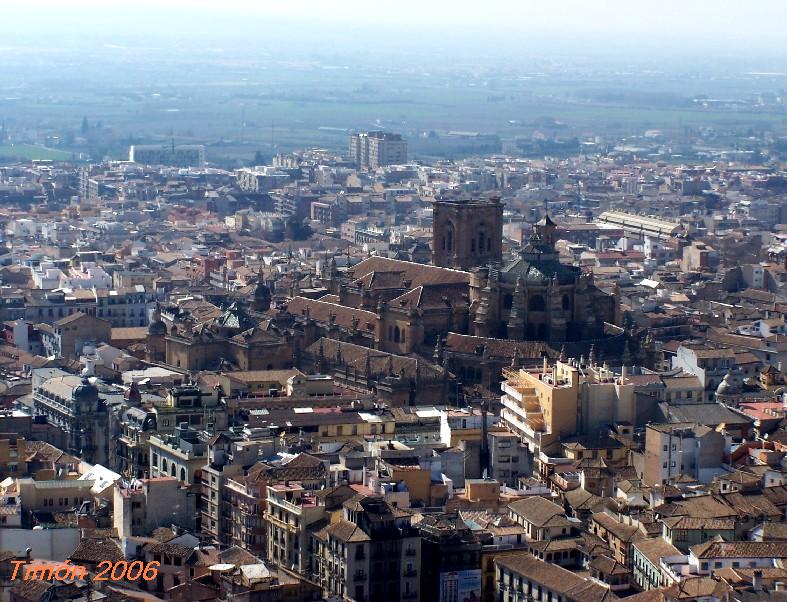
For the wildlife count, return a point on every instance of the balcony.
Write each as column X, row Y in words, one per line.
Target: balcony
column 410, row 572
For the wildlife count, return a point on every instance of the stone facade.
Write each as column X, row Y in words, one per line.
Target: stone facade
column 467, row 234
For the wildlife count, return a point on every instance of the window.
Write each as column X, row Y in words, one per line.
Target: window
column 536, row 303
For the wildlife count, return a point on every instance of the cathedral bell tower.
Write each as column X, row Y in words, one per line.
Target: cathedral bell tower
column 467, row 233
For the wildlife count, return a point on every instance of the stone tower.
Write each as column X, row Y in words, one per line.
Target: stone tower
column 467, row 233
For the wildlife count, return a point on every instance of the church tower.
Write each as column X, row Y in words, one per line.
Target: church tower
column 466, row 233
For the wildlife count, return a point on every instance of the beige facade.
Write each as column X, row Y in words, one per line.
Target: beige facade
column 564, row 400
column 289, row 512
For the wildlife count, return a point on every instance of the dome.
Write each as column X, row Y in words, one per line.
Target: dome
column 85, row 392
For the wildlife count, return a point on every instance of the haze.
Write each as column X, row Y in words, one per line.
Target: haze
column 670, row 25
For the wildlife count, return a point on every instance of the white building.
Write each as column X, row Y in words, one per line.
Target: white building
column 183, row 155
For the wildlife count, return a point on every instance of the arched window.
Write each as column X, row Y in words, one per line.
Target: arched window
column 481, row 242
column 566, row 302
column 489, row 244
column 508, row 301
column 536, row 303
column 183, row 474
column 403, row 331
column 396, row 334
column 163, row 465
column 450, row 238
column 173, row 469
column 443, row 242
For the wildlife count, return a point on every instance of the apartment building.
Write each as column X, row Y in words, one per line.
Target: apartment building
column 182, row 155
column 290, row 512
column 676, row 449
column 370, row 150
column 525, row 578
column 370, row 554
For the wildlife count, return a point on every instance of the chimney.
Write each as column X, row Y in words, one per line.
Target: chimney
column 757, row 580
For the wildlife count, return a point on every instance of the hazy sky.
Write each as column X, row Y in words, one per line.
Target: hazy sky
column 695, row 23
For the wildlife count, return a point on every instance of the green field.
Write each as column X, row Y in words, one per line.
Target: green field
column 31, row 152
column 237, row 104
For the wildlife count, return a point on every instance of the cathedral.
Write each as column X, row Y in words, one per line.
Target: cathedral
column 399, row 306
column 533, row 296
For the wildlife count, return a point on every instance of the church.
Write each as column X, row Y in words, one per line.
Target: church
column 535, row 297
column 402, row 307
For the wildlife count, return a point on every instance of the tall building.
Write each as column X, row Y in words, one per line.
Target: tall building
column 73, row 405
column 450, row 569
column 372, row 553
column 290, row 512
column 567, row 399
column 183, row 155
column 467, row 234
column 676, row 450
column 370, row 150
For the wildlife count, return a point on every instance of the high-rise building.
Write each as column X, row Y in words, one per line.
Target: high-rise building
column 370, row 150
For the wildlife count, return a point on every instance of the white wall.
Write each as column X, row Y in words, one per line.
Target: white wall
column 48, row 544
